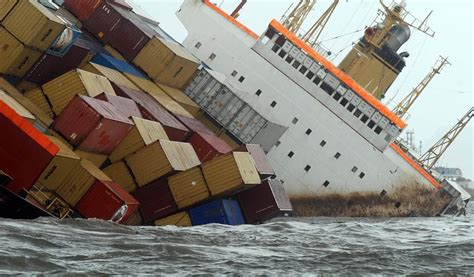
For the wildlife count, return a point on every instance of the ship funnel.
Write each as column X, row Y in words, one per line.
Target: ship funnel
column 398, row 36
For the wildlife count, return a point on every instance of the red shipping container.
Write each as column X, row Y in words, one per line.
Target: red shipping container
column 82, row 9
column 152, row 110
column 24, row 151
column 156, row 201
column 194, row 125
column 102, row 22
column 208, row 147
column 92, row 125
column 107, row 200
column 126, row 106
column 264, row 202
column 265, row 170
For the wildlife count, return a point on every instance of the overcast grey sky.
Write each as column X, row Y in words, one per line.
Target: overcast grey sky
column 447, row 98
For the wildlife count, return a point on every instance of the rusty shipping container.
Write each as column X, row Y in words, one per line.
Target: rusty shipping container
column 143, row 133
column 121, row 174
column 160, row 159
column 92, row 125
column 189, row 188
column 156, row 201
column 208, row 147
column 264, row 168
column 127, row 107
column 24, row 151
column 181, row 219
column 264, row 202
column 82, row 9
column 231, row 173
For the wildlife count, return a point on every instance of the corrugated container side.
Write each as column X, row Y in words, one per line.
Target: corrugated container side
column 78, row 182
column 25, row 86
column 5, row 7
column 24, row 151
column 108, row 201
column 33, row 24
column 261, row 162
column 194, row 125
column 156, row 201
column 122, row 66
column 145, row 132
column 210, row 124
column 121, row 174
column 188, row 188
column 95, row 158
column 219, row 211
column 82, row 9
column 208, row 147
column 181, row 219
column 230, row 174
column 114, row 76
column 102, row 22
column 180, row 97
column 39, row 99
column 126, row 106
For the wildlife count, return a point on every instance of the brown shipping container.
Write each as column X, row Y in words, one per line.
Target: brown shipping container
column 181, row 219
column 60, row 167
column 265, row 170
column 184, row 100
column 82, row 9
column 160, row 159
column 152, row 110
column 34, row 24
column 126, row 106
column 188, row 188
column 114, row 76
column 78, row 182
column 121, row 174
column 95, row 158
column 62, row 90
column 230, row 174
column 167, row 62
column 264, row 202
column 39, row 99
column 156, row 201
column 92, row 125
column 208, row 147
column 195, row 125
column 5, row 7
column 143, row 133
column 102, row 22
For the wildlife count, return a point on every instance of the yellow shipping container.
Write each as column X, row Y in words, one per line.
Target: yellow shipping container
column 39, row 99
column 230, row 174
column 161, row 158
column 5, row 7
column 188, row 187
column 184, row 100
column 62, row 90
column 114, row 53
column 55, row 134
column 145, row 132
column 81, row 178
column 167, row 62
column 120, row 174
column 180, row 219
column 17, row 107
column 25, row 86
column 34, row 24
column 60, row 167
column 114, row 76
column 97, row 159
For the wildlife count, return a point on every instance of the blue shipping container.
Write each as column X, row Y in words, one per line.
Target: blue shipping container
column 122, row 66
column 218, row 211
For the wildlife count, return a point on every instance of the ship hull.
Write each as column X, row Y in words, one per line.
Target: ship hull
column 15, row 207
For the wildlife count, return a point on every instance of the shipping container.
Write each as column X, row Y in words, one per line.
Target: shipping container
column 264, row 202
column 113, row 52
column 16, row 58
column 269, row 135
column 126, row 106
column 181, row 219
column 179, row 96
column 189, row 188
column 219, row 211
column 230, row 174
column 230, row 140
column 24, row 151
column 262, row 164
column 64, row 88
column 208, row 147
column 135, row 219
column 102, row 22
column 246, row 124
column 156, row 201
column 122, row 66
column 33, row 24
column 224, row 106
column 113, row 75
column 17, row 107
column 59, row 167
column 167, row 62
column 152, row 110
column 82, row 9
column 108, row 201
column 195, row 125
column 37, row 97
column 160, row 159
column 95, row 158
column 121, row 174
column 5, row 7
column 143, row 133
column 79, row 180
column 25, row 86
column 92, row 125
column 210, row 123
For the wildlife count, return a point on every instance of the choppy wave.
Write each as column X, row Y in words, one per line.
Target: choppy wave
column 287, row 246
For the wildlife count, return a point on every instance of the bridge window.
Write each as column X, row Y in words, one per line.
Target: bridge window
column 344, row 102
column 310, row 75
column 364, row 118
column 371, row 124
column 303, row 70
column 350, row 107
column 378, row 130
column 282, row 53
column 337, row 96
column 357, row 113
column 289, row 59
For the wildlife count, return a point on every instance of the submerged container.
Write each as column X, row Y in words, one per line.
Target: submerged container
column 188, row 188
column 24, row 151
column 108, row 201
column 181, row 219
column 219, row 211
column 122, row 66
column 160, row 159
column 82, row 9
column 143, row 133
column 127, row 107
column 156, row 201
column 121, row 174
column 262, row 164
column 208, row 147
column 230, row 174
column 264, row 202
column 92, row 125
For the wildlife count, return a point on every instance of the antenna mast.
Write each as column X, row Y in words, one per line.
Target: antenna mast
column 297, row 16
column 311, row 37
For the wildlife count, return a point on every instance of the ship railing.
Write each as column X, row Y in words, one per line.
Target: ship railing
column 50, row 202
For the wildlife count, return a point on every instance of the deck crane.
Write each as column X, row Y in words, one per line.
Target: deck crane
column 297, row 16
column 401, row 109
column 433, row 154
column 311, row 37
